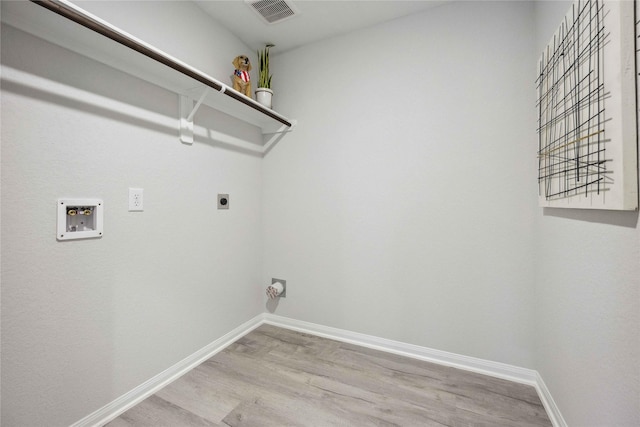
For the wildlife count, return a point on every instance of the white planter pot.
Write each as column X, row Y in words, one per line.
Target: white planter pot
column 263, row 96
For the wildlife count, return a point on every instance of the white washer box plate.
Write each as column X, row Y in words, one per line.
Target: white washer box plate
column 79, row 219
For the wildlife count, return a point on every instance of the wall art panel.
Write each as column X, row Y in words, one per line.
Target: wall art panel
column 587, row 127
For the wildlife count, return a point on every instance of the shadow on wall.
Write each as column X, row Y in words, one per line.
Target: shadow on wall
column 92, row 91
column 272, row 305
column 88, row 107
column 627, row 219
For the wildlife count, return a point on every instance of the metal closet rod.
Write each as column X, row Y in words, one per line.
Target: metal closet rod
column 99, row 28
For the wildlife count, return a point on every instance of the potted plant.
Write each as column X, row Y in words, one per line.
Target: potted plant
column 263, row 91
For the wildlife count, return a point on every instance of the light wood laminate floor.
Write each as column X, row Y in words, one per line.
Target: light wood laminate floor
column 278, row 377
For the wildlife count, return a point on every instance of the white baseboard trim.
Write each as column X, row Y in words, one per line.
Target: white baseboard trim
column 472, row 364
column 128, row 400
column 481, row 366
column 486, row 367
column 549, row 404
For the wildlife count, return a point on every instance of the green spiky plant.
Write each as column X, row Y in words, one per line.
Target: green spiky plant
column 264, row 78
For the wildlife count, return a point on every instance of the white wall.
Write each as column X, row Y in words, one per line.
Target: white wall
column 86, row 321
column 179, row 28
column 587, row 300
column 402, row 206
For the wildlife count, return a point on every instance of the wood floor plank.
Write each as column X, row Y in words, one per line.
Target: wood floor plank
column 372, row 385
column 279, row 377
column 157, row 412
column 198, row 393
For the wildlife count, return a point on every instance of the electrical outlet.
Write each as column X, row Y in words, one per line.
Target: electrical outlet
column 136, row 200
column 223, row 201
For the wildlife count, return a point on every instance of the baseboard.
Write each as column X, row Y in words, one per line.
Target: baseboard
column 146, row 389
column 481, row 366
column 472, row 364
column 549, row 404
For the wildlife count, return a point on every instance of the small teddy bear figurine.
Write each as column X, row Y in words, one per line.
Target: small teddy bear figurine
column 241, row 78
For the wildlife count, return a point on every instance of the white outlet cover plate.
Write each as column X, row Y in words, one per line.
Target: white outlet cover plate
column 136, row 199
column 98, row 211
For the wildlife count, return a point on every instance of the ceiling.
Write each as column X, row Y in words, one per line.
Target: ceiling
column 315, row 19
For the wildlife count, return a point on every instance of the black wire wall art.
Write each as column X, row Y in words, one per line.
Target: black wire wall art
column 587, row 128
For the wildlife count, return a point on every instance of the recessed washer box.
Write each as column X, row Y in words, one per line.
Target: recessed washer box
column 79, row 218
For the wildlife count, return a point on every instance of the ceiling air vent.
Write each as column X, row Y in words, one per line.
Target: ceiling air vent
column 273, row 11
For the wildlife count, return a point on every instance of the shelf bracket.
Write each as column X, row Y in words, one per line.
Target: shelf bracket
column 282, row 129
column 276, row 136
column 187, row 111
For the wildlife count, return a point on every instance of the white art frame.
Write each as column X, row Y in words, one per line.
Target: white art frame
column 587, row 114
